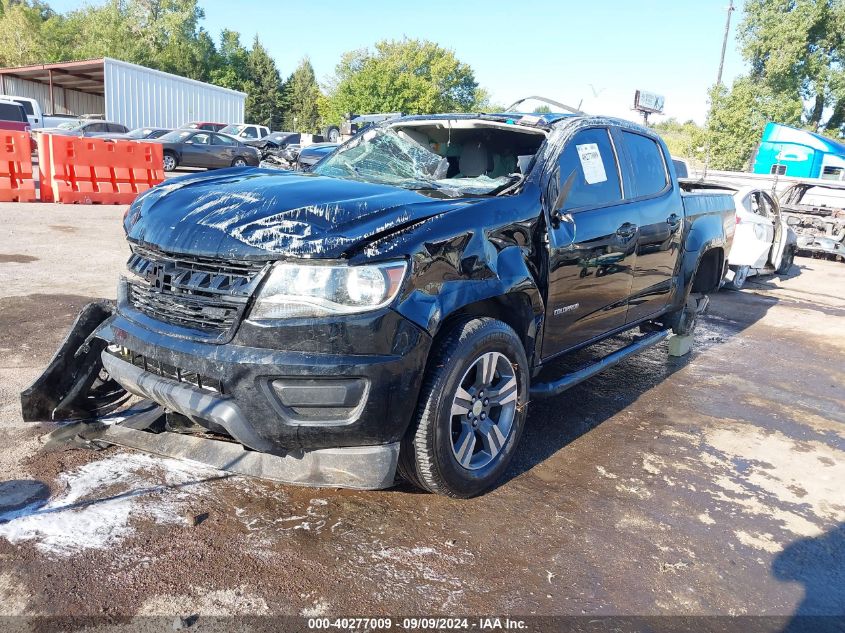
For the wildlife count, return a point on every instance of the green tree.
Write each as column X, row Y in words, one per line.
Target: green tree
column 300, row 98
column 160, row 34
column 797, row 48
column 409, row 75
column 22, row 37
column 796, row 53
column 684, row 140
column 263, row 103
column 232, row 64
column 738, row 116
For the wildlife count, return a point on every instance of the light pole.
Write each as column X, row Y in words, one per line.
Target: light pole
column 725, row 42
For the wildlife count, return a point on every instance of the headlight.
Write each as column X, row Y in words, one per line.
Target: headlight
column 313, row 290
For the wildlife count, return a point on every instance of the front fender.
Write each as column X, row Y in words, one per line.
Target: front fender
column 450, row 275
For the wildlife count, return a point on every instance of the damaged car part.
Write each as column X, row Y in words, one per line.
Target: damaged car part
column 75, row 385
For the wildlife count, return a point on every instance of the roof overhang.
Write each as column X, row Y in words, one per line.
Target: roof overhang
column 83, row 76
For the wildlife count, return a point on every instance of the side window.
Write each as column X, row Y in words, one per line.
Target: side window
column 249, row 132
column 27, row 106
column 771, row 205
column 647, row 164
column 201, row 139
column 764, row 208
column 589, row 175
column 96, row 128
column 222, row 140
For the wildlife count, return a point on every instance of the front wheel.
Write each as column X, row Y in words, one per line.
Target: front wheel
column 471, row 410
column 239, row 162
column 169, row 162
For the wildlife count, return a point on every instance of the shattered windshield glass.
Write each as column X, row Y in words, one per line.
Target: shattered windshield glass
column 382, row 156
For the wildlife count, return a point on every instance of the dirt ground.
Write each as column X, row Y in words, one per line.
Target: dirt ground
column 711, row 484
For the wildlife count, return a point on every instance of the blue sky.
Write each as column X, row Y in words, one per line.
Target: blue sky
column 570, row 50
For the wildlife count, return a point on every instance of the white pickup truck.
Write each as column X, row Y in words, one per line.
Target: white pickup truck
column 37, row 118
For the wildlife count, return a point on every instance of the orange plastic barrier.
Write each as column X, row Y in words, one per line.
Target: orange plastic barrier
column 92, row 170
column 16, row 183
column 44, row 170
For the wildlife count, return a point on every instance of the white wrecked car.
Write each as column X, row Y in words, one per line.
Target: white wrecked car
column 763, row 243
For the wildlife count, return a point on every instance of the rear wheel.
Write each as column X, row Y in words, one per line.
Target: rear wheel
column 471, row 410
column 169, row 161
column 332, row 134
column 786, row 261
column 239, row 162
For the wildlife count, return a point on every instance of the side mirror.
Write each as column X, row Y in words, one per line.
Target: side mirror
column 562, row 194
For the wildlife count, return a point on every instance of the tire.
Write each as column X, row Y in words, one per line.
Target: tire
column 170, row 162
column 682, row 322
column 786, row 262
column 332, row 134
column 740, row 275
column 454, row 447
column 239, row 162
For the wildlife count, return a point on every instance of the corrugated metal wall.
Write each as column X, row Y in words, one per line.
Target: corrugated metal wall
column 138, row 96
column 67, row 101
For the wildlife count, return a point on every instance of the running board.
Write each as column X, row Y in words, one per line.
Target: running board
column 554, row 388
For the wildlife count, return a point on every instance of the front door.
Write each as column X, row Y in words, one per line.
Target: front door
column 659, row 211
column 591, row 244
column 196, row 151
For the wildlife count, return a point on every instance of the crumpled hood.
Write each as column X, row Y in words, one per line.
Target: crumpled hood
column 250, row 213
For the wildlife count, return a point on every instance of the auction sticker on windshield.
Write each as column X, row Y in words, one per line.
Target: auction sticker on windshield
column 591, row 163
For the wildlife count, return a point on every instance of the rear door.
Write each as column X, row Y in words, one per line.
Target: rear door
column 591, row 244
column 657, row 206
column 755, row 231
column 224, row 150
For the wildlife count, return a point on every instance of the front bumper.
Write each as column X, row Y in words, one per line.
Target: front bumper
column 281, row 401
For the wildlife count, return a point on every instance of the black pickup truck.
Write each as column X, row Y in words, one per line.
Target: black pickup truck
column 392, row 308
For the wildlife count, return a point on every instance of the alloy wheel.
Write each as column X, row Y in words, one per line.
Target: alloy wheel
column 483, row 410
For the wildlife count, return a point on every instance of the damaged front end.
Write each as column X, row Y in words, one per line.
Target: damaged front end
column 78, row 389
column 75, row 386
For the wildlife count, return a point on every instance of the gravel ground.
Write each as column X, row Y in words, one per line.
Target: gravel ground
column 708, row 485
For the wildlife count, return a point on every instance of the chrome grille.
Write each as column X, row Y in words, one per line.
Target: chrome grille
column 196, row 292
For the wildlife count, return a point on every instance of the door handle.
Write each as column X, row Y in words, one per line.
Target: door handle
column 673, row 220
column 627, row 230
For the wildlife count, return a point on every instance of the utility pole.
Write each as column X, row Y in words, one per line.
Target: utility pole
column 725, row 42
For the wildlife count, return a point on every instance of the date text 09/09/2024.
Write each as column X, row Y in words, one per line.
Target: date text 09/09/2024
column 415, row 624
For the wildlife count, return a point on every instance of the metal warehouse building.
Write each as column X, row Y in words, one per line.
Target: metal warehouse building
column 122, row 92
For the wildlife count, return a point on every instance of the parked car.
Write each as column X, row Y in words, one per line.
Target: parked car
column 203, row 125
column 196, row 148
column 86, row 127
column 395, row 306
column 309, row 156
column 245, row 133
column 13, row 117
column 763, row 243
column 37, row 118
column 140, row 134
column 275, row 141
column 815, row 209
